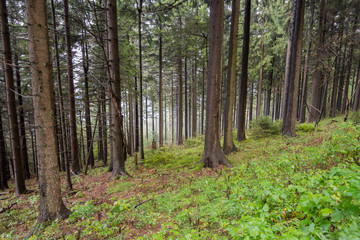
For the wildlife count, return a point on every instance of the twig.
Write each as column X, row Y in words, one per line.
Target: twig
column 137, row 205
column 8, row 208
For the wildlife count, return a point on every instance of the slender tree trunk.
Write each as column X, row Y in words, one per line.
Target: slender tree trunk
column 100, row 132
column 357, row 91
column 172, row 110
column 194, row 101
column 141, row 82
column 89, row 140
column 117, row 135
column 131, row 123
column 75, row 166
column 268, row 99
column 258, row 102
column 51, row 204
column 161, row 120
column 318, row 81
column 137, row 137
column 213, row 156
column 203, row 98
column 180, row 97
column 24, row 153
column 293, row 72
column 306, row 72
column 229, row 145
column 3, row 160
column 11, row 102
column 61, row 102
column 278, row 103
column 251, row 103
column 186, row 100
column 244, row 73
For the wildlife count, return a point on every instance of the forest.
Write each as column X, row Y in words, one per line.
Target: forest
column 180, row 119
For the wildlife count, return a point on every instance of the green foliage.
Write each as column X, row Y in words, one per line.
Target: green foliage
column 264, row 127
column 305, row 128
column 354, row 117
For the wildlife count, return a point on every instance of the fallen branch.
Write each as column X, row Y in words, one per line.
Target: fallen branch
column 7, row 208
column 137, row 205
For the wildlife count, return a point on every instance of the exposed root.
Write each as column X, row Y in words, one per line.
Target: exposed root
column 215, row 159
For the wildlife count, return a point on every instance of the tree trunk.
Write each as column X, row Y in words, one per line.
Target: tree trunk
column 244, row 73
column 11, row 103
column 318, row 81
column 186, row 99
column 51, row 204
column 357, row 91
column 131, row 123
column 213, row 156
column 180, row 98
column 137, row 137
column 3, row 160
column 229, row 145
column 202, row 98
column 293, row 72
column 194, row 101
column 24, row 153
column 161, row 120
column 141, row 82
column 251, row 103
column 306, row 72
column 89, row 140
column 116, row 128
column 75, row 165
column 278, row 103
column 258, row 102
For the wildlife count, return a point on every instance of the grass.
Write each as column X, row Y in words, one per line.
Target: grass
column 279, row 188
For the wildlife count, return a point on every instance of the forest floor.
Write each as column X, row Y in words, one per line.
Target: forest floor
column 306, row 187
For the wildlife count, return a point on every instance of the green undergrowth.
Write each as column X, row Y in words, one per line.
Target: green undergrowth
column 306, row 187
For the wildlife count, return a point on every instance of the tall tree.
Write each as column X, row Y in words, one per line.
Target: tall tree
column 229, row 145
column 116, row 128
column 51, row 204
column 75, row 165
column 3, row 160
column 11, row 103
column 293, row 71
column 180, row 94
column 161, row 120
column 316, row 94
column 244, row 73
column 213, row 155
column 140, row 5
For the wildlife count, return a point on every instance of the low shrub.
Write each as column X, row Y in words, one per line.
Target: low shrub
column 264, row 127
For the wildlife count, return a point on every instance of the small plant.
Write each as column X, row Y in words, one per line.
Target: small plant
column 354, row 117
column 305, row 127
column 264, row 127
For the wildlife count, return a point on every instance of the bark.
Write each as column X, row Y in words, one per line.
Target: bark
column 186, row 99
column 202, row 99
column 100, row 131
column 357, row 91
column 116, row 128
column 3, row 160
column 293, row 72
column 244, row 73
column 180, row 98
column 161, row 120
column 75, row 166
column 251, row 103
column 51, row 204
column 11, row 103
column 89, row 140
column 137, row 137
column 131, row 123
column 268, row 99
column 318, row 81
column 258, row 102
column 172, row 111
column 229, row 145
column 141, row 82
column 213, row 156
column 24, row 153
column 194, row 102
column 306, row 72
column 278, row 103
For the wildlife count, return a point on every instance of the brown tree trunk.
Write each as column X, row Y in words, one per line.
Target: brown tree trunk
column 180, row 98
column 161, row 120
column 203, row 98
column 89, row 140
column 186, row 100
column 75, row 166
column 229, row 145
column 251, row 103
column 172, row 111
column 24, row 153
column 61, row 102
column 258, row 101
column 244, row 73
column 116, row 128
column 317, row 87
column 194, row 101
column 213, row 156
column 357, row 91
column 51, row 204
column 131, row 123
column 137, row 137
column 141, row 82
column 306, row 72
column 11, row 103
column 293, row 72
column 3, row 160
